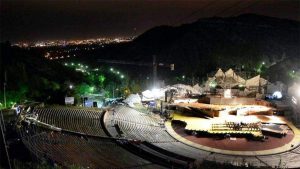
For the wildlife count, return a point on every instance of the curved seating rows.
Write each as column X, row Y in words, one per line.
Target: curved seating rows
column 132, row 123
column 102, row 153
column 78, row 120
column 127, row 114
column 142, row 132
column 67, row 150
column 140, row 126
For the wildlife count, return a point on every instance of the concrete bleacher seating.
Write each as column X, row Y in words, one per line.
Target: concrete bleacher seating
column 183, row 149
column 144, row 132
column 85, row 121
column 290, row 159
column 132, row 123
column 123, row 113
column 84, row 142
column 140, row 126
column 66, row 149
column 296, row 150
column 282, row 160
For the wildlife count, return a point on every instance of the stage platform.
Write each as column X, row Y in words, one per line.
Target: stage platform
column 213, row 110
column 218, row 125
column 238, row 146
column 227, row 119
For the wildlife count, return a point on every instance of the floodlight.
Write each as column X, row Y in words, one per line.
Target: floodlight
column 227, row 93
column 277, row 95
column 294, row 100
column 212, row 84
column 155, row 93
column 92, row 89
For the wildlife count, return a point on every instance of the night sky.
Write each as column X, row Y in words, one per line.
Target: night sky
column 28, row 20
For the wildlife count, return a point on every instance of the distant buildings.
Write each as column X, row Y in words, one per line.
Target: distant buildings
column 96, row 41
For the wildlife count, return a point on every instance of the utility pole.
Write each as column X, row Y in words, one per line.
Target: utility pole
column 154, row 71
column 3, row 143
column 4, row 89
column 113, row 90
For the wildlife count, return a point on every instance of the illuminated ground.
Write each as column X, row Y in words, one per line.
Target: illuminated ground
column 235, row 144
column 240, row 142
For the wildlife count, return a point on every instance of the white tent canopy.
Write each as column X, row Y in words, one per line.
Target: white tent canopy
column 230, row 73
column 263, row 81
column 147, row 95
column 181, row 90
column 133, row 99
column 253, row 82
column 240, row 80
column 230, row 79
column 219, row 73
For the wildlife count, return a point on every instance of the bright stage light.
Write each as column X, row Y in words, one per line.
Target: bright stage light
column 227, row 93
column 298, row 92
column 155, row 93
column 277, row 95
column 212, row 84
column 294, row 100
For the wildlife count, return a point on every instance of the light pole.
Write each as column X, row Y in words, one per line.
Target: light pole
column 113, row 90
column 154, row 71
column 4, row 89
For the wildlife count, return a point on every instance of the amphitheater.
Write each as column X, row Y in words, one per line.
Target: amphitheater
column 124, row 137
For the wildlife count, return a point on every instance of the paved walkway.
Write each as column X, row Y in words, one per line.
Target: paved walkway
column 109, row 123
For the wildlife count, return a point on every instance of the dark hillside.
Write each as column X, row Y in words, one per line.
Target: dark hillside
column 202, row 46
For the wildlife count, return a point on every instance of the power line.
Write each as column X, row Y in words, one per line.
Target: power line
column 251, row 4
column 195, row 12
column 229, row 8
column 222, row 12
